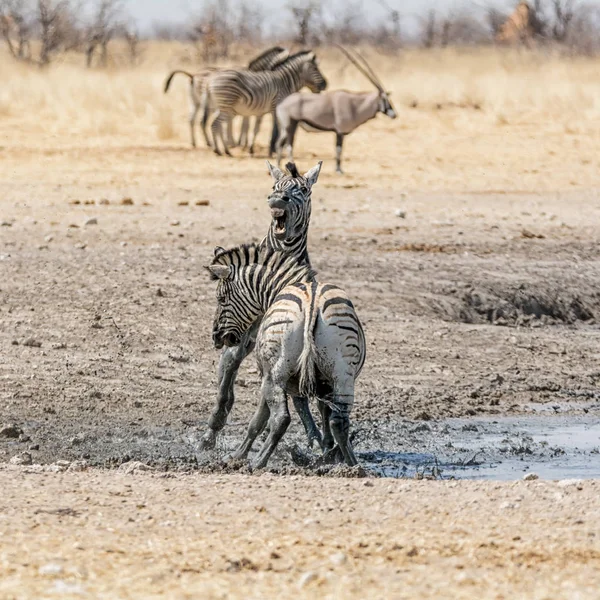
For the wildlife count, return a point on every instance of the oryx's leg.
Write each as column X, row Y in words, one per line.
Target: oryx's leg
column 312, row 431
column 255, row 428
column 288, row 133
column 274, row 135
column 257, row 123
column 278, row 422
column 341, row 405
column 339, row 140
column 243, row 140
column 229, row 364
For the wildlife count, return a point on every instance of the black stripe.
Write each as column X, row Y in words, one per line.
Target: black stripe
column 337, row 300
column 290, row 297
column 327, row 287
column 274, row 323
column 352, row 329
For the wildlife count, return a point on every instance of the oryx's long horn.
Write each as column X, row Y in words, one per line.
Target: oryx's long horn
column 362, row 69
column 369, row 69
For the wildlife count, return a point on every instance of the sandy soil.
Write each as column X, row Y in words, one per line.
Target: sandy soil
column 481, row 300
column 114, row 535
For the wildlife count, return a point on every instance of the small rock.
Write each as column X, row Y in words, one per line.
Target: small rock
column 50, row 569
column 175, row 223
column 10, row 431
column 123, row 244
column 92, row 221
column 400, row 213
column 413, row 551
column 78, row 465
column 508, row 505
column 32, row 343
column 134, row 466
column 34, row 447
column 104, row 201
column 160, row 293
column 6, row 224
column 21, row 459
column 183, row 203
column 202, row 202
column 74, row 226
column 568, row 482
column 49, row 238
column 127, row 202
column 59, row 346
column 24, row 438
column 338, row 559
column 81, row 246
column 15, row 342
column 60, row 466
column 307, row 578
column 531, row 477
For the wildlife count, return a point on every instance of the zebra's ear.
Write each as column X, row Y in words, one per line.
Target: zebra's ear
column 218, row 250
column 312, row 175
column 219, row 271
column 276, row 172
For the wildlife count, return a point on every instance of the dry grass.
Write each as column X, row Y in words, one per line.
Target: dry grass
column 460, row 113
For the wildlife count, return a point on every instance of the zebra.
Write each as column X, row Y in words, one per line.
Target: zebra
column 233, row 92
column 310, row 342
column 290, row 204
column 264, row 62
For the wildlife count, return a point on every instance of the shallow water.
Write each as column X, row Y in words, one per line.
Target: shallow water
column 500, row 449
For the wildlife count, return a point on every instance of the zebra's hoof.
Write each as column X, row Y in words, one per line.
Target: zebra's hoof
column 217, row 152
column 209, row 440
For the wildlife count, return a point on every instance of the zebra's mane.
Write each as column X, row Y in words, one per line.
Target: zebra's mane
column 274, row 51
column 291, row 58
column 255, row 254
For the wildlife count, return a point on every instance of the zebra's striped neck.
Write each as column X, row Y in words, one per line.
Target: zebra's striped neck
column 296, row 247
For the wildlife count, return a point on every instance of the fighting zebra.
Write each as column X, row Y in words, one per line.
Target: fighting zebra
column 264, row 62
column 310, row 342
column 290, row 204
column 240, row 92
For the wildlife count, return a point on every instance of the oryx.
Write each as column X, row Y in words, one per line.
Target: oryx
column 338, row 111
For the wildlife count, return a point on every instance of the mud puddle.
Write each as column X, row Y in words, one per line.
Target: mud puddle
column 501, row 449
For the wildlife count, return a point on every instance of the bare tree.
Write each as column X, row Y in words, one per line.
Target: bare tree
column 305, row 15
column 15, row 28
column 57, row 26
column 564, row 11
column 213, row 31
column 106, row 23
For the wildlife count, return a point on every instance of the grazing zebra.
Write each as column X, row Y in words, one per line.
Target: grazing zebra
column 310, row 341
column 264, row 62
column 290, row 204
column 240, row 92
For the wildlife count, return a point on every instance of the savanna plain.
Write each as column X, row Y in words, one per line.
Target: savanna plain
column 466, row 231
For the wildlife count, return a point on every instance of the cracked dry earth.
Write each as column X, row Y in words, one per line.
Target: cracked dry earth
column 106, row 534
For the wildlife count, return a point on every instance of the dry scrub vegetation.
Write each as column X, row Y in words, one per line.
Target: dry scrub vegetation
column 516, row 109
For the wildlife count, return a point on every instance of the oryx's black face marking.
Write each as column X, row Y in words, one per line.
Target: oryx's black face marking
column 385, row 105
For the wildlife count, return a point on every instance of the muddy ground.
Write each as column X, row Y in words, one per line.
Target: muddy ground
column 474, row 303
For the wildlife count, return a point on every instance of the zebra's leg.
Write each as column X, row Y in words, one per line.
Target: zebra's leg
column 342, row 400
column 230, row 141
column 217, row 132
column 193, row 114
column 312, row 431
column 229, row 364
column 278, row 423
column 205, row 114
column 243, row 141
column 328, row 440
column 255, row 428
column 339, row 140
column 257, row 123
column 274, row 135
column 293, row 127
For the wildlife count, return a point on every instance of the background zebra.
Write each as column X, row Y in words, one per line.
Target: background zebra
column 290, row 204
column 264, row 62
column 240, row 92
column 310, row 341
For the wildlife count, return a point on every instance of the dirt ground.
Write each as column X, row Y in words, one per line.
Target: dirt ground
column 103, row 534
column 467, row 239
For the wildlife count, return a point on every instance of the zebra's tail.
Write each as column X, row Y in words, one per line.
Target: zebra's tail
column 307, row 360
column 170, row 77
